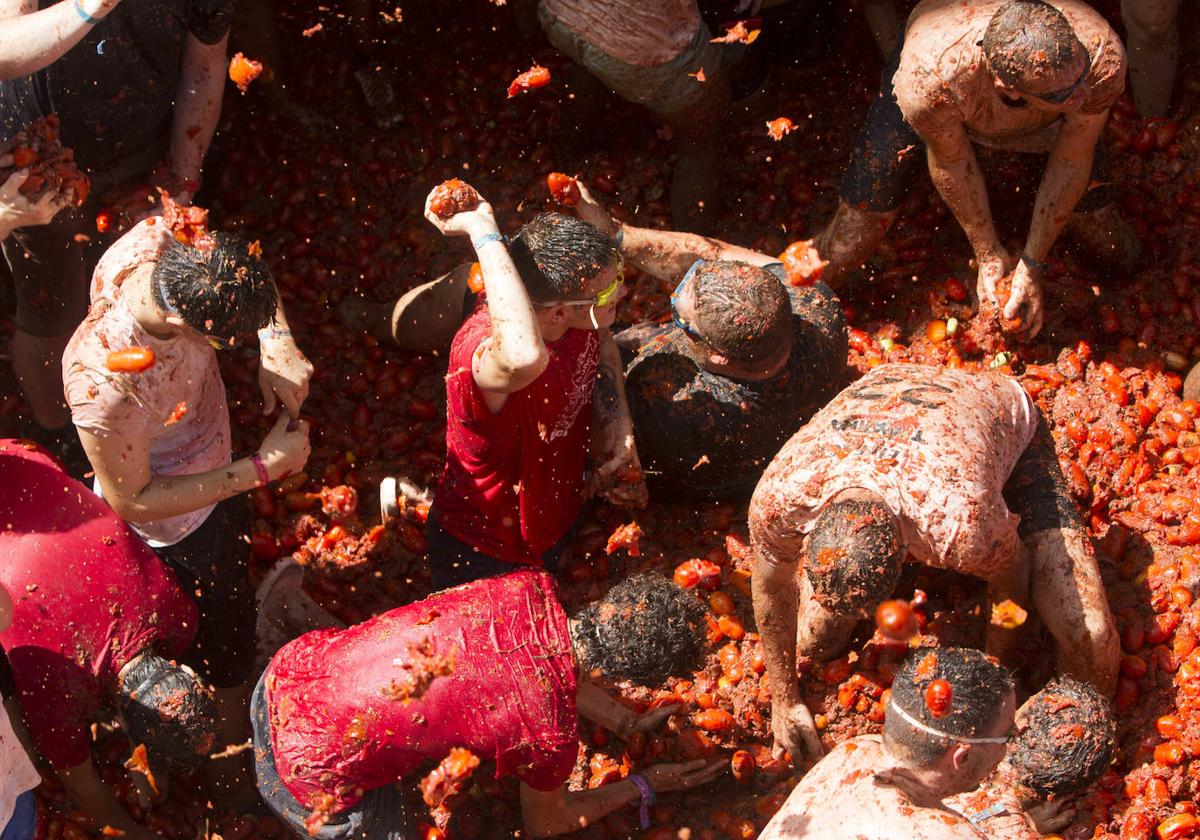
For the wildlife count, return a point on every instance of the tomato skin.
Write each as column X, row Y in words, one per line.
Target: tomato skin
column 742, row 766
column 535, row 77
column 1178, row 826
column 939, row 697
column 563, row 189
column 130, row 360
column 895, row 620
column 243, row 71
column 714, row 720
column 697, row 572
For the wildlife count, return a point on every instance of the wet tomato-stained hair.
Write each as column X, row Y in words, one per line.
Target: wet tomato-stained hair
column 1067, row 734
column 644, row 629
column 558, row 256
column 170, row 711
column 1029, row 39
column 742, row 311
column 853, row 556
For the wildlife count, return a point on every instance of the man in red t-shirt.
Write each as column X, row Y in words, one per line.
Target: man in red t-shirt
column 491, row 667
column 524, row 369
column 94, row 613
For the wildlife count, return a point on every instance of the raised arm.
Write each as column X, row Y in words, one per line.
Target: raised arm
column 122, row 465
column 515, row 354
column 31, row 40
column 776, row 600
column 197, row 109
column 1065, row 582
column 665, row 254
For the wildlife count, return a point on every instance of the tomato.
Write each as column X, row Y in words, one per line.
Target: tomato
column 956, row 290
column 935, row 331
column 535, row 77
column 731, row 627
column 895, row 620
column 452, row 197
column 475, row 278
column 1180, row 825
column 563, row 189
column 742, row 766
column 243, row 71
column 780, row 127
column 697, row 572
column 1168, row 754
column 130, row 360
column 939, row 697
column 720, row 603
column 714, row 720
column 1169, row 726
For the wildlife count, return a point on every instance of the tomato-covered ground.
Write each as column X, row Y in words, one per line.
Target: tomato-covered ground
column 337, row 208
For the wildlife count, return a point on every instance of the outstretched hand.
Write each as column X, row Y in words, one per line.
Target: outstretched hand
column 16, row 210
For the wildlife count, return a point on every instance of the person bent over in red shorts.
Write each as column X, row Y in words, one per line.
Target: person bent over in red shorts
column 493, row 667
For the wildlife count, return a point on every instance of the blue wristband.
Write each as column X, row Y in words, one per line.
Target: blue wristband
column 83, row 14
column 494, row 236
column 1035, row 264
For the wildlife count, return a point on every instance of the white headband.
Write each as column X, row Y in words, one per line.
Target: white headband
column 916, row 724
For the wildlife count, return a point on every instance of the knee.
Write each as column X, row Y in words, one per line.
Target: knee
column 1150, row 24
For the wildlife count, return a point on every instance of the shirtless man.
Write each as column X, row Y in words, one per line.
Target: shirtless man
column 1023, row 76
column 893, row 787
column 924, row 461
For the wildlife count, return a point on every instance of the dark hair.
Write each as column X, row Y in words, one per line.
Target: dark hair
column 1027, row 39
column 225, row 292
column 979, row 687
column 853, row 556
column 557, row 256
column 742, row 311
column 1066, row 741
column 644, row 629
column 170, row 711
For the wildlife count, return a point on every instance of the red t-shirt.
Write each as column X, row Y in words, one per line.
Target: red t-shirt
column 88, row 596
column 345, row 718
column 512, row 484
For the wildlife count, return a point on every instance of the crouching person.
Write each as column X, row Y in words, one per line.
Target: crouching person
column 493, row 666
column 893, row 787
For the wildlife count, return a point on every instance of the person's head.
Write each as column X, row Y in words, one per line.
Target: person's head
column 853, row 556
column 1033, row 52
column 166, row 707
column 956, row 751
column 645, row 629
column 571, row 271
column 737, row 316
column 1065, row 741
column 224, row 293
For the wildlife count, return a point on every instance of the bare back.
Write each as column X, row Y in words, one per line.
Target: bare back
column 842, row 798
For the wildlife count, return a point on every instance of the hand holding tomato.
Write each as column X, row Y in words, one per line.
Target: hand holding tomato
column 991, row 269
column 473, row 223
column 16, row 210
column 667, row 777
column 1025, row 300
column 286, row 447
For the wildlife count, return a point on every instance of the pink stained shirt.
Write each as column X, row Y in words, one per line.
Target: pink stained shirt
column 936, row 445
column 634, row 31
column 513, row 481
column 185, row 373
column 339, row 725
column 88, row 596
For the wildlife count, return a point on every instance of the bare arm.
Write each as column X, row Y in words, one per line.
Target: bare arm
column 284, row 371
column 595, row 704
column 562, row 811
column 197, row 108
column 6, row 609
column 515, row 354
column 96, row 800
column 31, row 40
column 122, row 465
column 955, row 173
column 665, row 254
column 1065, row 180
column 613, row 446
column 776, row 599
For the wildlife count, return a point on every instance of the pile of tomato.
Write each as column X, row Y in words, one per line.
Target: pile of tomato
column 338, row 212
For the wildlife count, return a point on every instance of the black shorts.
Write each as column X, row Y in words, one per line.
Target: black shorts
column 889, row 155
column 454, row 563
column 212, row 564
